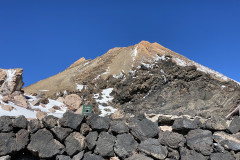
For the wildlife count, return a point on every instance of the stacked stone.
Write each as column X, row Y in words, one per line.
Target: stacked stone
column 75, row 137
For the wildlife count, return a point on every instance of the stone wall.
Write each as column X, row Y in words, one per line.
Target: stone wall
column 75, row 137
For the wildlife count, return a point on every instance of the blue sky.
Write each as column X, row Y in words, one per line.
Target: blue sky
column 45, row 36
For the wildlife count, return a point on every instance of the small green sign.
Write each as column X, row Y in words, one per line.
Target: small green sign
column 86, row 109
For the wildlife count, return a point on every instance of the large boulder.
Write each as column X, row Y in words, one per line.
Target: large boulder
column 20, row 122
column 139, row 157
column 10, row 80
column 21, row 101
column 143, row 129
column 34, row 125
column 183, row 125
column 91, row 139
column 125, row 145
column 5, row 124
column 73, row 102
column 74, row 143
column 44, row 145
column 22, row 139
column 200, row 141
column 50, row 121
column 229, row 142
column 98, row 123
column 61, row 133
column 216, row 123
column 118, row 127
column 234, row 126
column 153, row 148
column 71, row 120
column 104, row 144
column 89, row 156
column 190, row 154
column 222, row 156
column 171, row 139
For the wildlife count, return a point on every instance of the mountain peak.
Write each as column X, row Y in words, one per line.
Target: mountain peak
column 78, row 62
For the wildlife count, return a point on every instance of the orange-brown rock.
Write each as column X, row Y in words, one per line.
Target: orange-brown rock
column 73, row 102
column 40, row 115
column 21, row 101
column 6, row 107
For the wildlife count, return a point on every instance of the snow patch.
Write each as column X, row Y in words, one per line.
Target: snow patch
column 106, row 72
column 179, row 62
column 80, row 87
column 163, row 58
column 118, row 76
column 106, row 99
column 43, row 90
column 134, row 54
column 10, row 75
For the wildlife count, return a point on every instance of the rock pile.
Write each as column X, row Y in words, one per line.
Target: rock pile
column 75, row 137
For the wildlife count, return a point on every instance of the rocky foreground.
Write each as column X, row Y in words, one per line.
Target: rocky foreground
column 75, row 137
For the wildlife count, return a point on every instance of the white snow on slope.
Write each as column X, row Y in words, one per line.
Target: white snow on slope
column 10, row 74
column 118, row 76
column 17, row 111
column 106, row 98
column 80, row 87
column 134, row 54
column 106, row 72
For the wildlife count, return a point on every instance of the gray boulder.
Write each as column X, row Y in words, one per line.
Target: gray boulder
column 44, row 145
column 139, row 157
column 229, row 142
column 99, row 123
column 183, row 125
column 78, row 156
column 118, row 127
column 74, row 143
column 171, row 139
column 61, row 133
column 91, row 140
column 22, row 139
column 222, row 156
column 216, row 123
column 125, row 145
column 143, row 129
column 190, row 155
column 7, row 143
column 63, row 157
column 200, row 140
column 104, row 145
column 5, row 157
column 89, row 156
column 234, row 126
column 20, row 122
column 5, row 124
column 71, row 120
column 153, row 148
column 34, row 125
column 173, row 154
column 50, row 121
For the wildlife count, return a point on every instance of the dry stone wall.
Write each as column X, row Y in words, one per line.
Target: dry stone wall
column 75, row 137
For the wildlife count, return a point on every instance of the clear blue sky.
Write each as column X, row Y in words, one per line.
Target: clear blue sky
column 45, row 36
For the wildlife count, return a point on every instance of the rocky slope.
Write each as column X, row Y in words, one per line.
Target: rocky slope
column 145, row 78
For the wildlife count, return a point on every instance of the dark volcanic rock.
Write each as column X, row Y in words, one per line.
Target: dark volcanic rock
column 201, row 141
column 7, row 143
column 143, row 129
column 89, row 156
column 61, row 133
column 104, row 145
column 20, row 122
column 74, row 143
column 118, row 127
column 229, row 142
column 50, row 121
column 222, row 156
column 71, row 120
column 234, row 126
column 78, row 156
column 5, row 124
column 34, row 125
column 125, row 145
column 91, row 139
column 44, row 145
column 139, row 157
column 22, row 139
column 99, row 123
column 216, row 123
column 165, row 120
column 171, row 139
column 190, row 155
column 184, row 125
column 173, row 154
column 153, row 148
column 63, row 157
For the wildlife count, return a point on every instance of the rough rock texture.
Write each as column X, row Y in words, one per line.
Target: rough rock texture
column 216, row 123
column 7, row 143
column 125, row 145
column 154, row 148
column 184, row 124
column 21, row 101
column 34, row 125
column 229, row 142
column 104, row 144
column 61, row 133
column 73, row 102
column 171, row 139
column 63, row 157
column 91, row 140
column 5, row 124
column 74, row 143
column 139, row 157
column 89, row 156
column 20, row 122
column 200, row 140
column 78, row 156
column 222, row 156
column 234, row 126
column 191, row 155
column 118, row 127
column 71, row 120
column 99, row 123
column 44, row 145
column 10, row 80
column 143, row 129
column 22, row 139
column 50, row 121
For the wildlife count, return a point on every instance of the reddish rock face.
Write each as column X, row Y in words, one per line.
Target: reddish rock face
column 10, row 80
